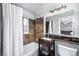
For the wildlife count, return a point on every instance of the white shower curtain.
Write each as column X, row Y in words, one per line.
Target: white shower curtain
column 13, row 33
column 50, row 27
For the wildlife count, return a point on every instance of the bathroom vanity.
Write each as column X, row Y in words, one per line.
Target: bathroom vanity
column 46, row 47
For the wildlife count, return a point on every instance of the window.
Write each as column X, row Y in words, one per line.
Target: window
column 26, row 25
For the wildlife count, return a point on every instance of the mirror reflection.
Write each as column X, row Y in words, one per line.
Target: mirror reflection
column 62, row 23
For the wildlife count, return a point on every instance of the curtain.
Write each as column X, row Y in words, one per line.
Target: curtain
column 0, row 29
column 50, row 27
column 13, row 32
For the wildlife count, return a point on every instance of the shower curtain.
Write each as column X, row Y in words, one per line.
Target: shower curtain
column 50, row 27
column 13, row 33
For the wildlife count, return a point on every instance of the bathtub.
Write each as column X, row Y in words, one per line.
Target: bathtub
column 30, row 49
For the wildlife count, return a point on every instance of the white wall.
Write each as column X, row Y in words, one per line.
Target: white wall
column 28, row 14
column 77, row 31
column 76, row 18
column 56, row 26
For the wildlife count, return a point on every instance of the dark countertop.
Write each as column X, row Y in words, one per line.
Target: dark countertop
column 62, row 35
column 62, row 40
column 65, row 41
column 65, row 38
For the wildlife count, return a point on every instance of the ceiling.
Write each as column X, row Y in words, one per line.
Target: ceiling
column 41, row 8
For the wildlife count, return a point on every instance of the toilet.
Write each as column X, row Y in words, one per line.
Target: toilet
column 66, row 51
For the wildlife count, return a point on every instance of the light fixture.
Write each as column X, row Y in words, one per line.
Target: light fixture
column 57, row 9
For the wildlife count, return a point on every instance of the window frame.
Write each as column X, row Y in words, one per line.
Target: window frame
column 25, row 25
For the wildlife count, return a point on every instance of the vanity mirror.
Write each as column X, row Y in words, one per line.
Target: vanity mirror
column 65, row 23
